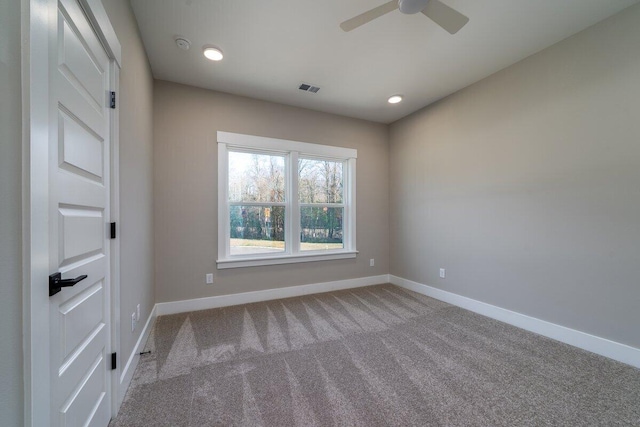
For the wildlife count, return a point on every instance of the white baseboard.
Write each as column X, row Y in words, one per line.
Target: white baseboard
column 128, row 370
column 602, row 346
column 174, row 307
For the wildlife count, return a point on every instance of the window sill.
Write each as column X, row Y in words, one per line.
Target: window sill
column 284, row 259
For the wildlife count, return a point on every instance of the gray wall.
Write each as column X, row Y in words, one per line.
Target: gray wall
column 526, row 186
column 186, row 120
column 135, row 102
column 11, row 388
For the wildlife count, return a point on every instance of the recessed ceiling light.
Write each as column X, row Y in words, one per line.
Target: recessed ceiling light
column 213, row 53
column 394, row 99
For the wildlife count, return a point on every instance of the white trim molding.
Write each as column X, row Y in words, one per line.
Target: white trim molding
column 134, row 358
column 602, row 346
column 253, row 141
column 287, row 259
column 173, row 307
column 100, row 21
column 290, row 152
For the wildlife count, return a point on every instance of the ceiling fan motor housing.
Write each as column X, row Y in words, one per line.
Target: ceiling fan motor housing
column 410, row 7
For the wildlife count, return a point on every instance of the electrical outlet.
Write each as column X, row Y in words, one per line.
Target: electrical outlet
column 442, row 273
column 372, row 262
column 138, row 313
column 133, row 321
column 209, row 278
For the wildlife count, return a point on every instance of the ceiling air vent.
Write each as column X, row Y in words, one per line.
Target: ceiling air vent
column 309, row 88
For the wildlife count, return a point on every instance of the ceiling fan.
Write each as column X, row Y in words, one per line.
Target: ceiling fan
column 449, row 19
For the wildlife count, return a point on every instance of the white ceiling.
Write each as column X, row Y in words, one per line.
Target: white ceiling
column 271, row 46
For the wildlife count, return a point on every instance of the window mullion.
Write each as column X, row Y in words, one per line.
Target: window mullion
column 294, row 200
column 322, row 205
column 262, row 204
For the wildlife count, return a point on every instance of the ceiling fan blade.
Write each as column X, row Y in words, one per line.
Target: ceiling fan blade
column 369, row 16
column 449, row 19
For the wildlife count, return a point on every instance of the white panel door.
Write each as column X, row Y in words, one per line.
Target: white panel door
column 78, row 222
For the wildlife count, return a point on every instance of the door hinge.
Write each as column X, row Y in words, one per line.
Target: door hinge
column 113, row 230
column 113, row 361
column 112, row 102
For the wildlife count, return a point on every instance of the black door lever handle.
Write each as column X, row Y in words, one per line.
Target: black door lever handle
column 56, row 282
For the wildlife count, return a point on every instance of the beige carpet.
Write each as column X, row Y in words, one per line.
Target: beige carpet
column 374, row 356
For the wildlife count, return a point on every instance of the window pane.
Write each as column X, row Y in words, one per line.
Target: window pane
column 256, row 177
column 320, row 181
column 256, row 229
column 320, row 228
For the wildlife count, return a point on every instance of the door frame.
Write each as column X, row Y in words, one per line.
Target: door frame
column 36, row 16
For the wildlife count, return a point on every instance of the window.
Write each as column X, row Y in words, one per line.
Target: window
column 284, row 201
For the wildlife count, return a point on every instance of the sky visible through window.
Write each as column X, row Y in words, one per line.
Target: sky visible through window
column 260, row 178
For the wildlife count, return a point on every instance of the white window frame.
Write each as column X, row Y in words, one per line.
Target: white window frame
column 292, row 150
